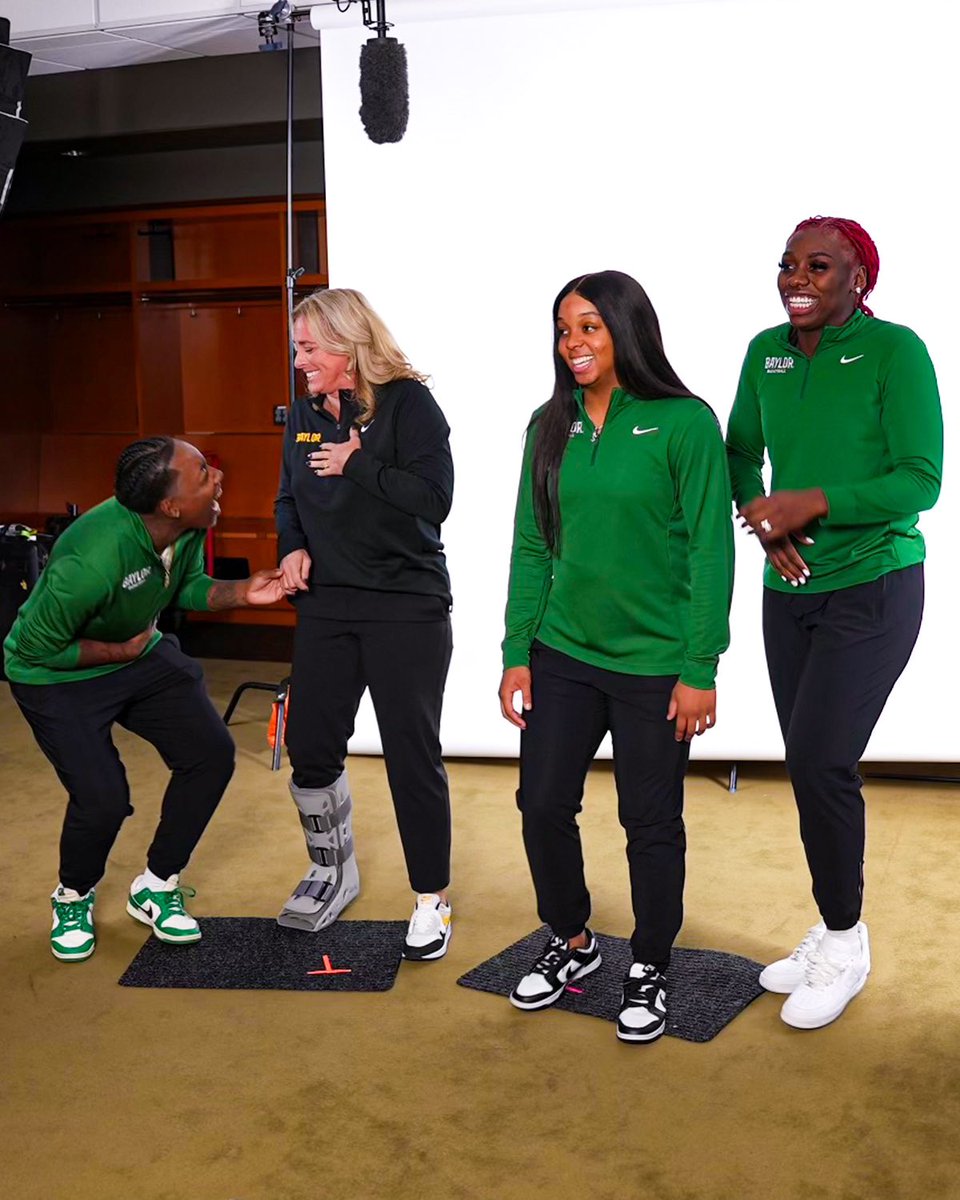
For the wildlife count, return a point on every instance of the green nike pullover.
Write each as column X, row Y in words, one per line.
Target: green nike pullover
column 104, row 581
column 643, row 580
column 860, row 419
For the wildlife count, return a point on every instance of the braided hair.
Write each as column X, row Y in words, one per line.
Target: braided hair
column 863, row 244
column 144, row 476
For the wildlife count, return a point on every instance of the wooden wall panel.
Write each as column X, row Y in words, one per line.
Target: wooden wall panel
column 26, row 367
column 259, row 549
column 94, row 353
column 87, row 255
column 272, row 614
column 233, row 360
column 229, row 247
column 20, row 248
column 93, row 386
column 20, row 477
column 157, row 333
column 77, row 469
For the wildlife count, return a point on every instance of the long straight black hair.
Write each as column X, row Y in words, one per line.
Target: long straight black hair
column 641, row 367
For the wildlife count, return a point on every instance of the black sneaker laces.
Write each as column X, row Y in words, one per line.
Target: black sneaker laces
column 552, row 957
column 643, row 991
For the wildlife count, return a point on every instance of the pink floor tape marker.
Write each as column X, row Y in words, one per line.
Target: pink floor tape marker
column 579, row 991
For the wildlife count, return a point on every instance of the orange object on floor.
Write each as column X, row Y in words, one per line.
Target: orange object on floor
column 272, row 727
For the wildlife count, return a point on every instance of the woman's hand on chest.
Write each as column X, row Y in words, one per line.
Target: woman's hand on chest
column 331, row 457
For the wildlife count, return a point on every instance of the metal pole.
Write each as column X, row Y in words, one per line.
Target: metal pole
column 291, row 274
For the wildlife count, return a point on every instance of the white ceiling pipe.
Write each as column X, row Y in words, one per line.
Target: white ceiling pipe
column 325, row 15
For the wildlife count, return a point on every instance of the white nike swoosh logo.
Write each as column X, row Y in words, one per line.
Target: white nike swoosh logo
column 637, row 432
column 850, row 360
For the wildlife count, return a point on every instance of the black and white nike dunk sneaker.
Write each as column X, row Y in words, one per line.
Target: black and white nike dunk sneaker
column 557, row 966
column 643, row 1010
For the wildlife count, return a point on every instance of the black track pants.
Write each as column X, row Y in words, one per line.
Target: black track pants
column 833, row 659
column 574, row 705
column 404, row 664
column 161, row 698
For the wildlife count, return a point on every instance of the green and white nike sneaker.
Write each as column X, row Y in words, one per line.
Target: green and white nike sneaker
column 162, row 909
column 72, row 936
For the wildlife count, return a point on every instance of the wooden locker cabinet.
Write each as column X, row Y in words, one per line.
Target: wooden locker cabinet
column 118, row 325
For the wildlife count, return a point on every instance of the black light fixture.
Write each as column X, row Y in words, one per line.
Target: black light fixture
column 269, row 22
column 14, row 65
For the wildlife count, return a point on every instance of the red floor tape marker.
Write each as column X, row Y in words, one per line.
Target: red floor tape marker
column 331, row 970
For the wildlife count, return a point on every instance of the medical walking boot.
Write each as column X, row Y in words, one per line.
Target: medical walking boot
column 333, row 879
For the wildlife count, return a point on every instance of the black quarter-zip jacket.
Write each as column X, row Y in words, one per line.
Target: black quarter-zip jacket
column 372, row 533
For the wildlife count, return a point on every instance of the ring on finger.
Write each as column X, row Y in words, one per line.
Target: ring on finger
column 766, row 526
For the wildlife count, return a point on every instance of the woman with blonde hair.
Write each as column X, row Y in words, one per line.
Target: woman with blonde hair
column 365, row 483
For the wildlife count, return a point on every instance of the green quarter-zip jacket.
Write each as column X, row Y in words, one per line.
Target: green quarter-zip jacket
column 860, row 419
column 104, row 581
column 643, row 580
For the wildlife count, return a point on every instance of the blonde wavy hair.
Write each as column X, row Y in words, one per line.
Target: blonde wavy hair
column 342, row 322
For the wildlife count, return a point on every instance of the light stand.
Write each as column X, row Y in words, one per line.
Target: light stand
column 283, row 14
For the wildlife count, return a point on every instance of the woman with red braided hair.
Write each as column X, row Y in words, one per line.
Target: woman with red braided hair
column 846, row 407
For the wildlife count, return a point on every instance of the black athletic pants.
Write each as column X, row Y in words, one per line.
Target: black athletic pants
column 833, row 659
column 161, row 698
column 404, row 663
column 574, row 705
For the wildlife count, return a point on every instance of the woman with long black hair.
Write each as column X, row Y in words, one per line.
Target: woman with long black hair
column 619, row 596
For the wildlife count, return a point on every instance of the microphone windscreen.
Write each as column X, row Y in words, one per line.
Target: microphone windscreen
column 384, row 100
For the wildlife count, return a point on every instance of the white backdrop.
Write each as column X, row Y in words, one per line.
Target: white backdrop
column 680, row 142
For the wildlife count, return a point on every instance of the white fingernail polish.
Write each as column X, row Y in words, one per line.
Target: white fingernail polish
column 784, row 578
column 806, row 572
column 793, row 583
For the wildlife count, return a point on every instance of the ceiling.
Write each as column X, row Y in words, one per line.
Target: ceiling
column 88, row 35
column 90, row 50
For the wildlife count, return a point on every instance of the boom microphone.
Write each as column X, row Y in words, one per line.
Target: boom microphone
column 384, row 100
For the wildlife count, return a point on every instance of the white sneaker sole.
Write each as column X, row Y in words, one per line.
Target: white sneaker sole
column 553, row 997
column 409, row 953
column 781, row 987
column 81, row 957
column 186, row 939
column 641, row 1035
column 819, row 1020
